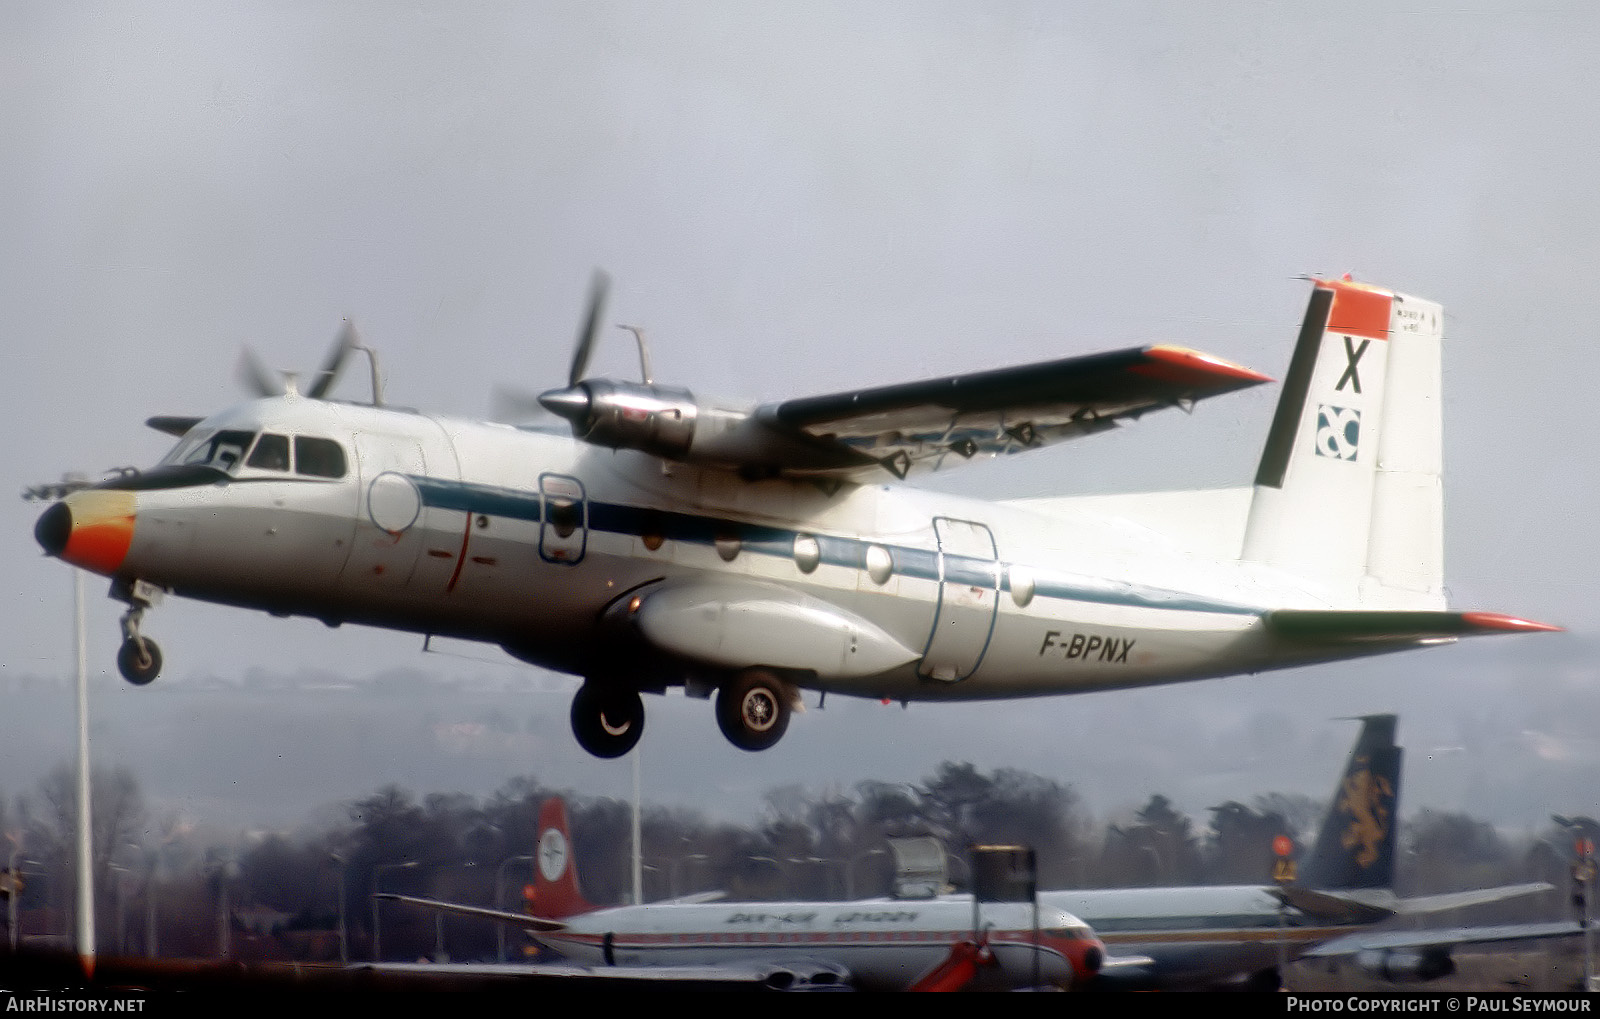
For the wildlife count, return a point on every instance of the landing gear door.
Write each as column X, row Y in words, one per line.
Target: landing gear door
column 564, row 512
column 969, row 596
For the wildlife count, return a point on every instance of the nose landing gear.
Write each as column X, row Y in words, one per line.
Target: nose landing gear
column 139, row 657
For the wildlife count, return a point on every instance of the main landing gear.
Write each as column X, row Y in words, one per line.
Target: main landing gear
column 139, row 658
column 753, row 711
column 607, row 719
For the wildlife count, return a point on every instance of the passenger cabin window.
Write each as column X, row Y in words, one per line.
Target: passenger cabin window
column 271, row 453
column 224, row 450
column 319, row 458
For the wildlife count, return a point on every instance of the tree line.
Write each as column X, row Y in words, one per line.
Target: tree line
column 164, row 889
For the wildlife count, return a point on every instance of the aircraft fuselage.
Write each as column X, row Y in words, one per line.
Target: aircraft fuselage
column 526, row 539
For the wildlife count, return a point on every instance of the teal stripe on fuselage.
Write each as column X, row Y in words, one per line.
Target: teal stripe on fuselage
column 917, row 563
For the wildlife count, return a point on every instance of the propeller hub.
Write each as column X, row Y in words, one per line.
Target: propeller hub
column 571, row 403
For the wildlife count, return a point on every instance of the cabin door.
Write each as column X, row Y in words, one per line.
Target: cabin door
column 969, row 597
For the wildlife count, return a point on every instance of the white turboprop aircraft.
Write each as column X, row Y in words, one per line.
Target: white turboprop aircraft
column 761, row 551
column 1207, row 936
column 945, row 943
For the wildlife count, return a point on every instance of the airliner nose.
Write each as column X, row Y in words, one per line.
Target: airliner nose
column 92, row 529
column 53, row 529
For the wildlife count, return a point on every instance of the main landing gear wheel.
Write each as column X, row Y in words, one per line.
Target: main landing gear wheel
column 607, row 721
column 753, row 709
column 139, row 660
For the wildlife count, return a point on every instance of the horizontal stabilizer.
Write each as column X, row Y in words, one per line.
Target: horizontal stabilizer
column 175, row 426
column 1392, row 627
column 1473, row 897
column 1334, row 908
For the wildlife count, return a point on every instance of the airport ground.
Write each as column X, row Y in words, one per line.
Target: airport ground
column 1553, row 969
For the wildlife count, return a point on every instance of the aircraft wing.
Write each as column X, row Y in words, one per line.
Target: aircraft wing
column 532, row 923
column 791, row 975
column 1126, row 973
column 1441, row 938
column 925, row 426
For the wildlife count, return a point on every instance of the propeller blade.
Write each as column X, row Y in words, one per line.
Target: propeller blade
column 515, row 406
column 591, row 327
column 328, row 374
column 254, row 376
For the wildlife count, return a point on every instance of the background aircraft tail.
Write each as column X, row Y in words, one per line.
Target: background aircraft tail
column 555, row 889
column 1355, row 848
column 1348, row 490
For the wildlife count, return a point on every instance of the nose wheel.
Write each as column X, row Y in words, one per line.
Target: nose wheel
column 607, row 719
column 139, row 657
column 139, row 660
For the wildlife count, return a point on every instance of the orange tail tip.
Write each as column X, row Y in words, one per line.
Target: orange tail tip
column 1510, row 624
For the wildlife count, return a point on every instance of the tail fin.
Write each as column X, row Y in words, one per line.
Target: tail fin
column 1348, row 491
column 555, row 889
column 1355, row 848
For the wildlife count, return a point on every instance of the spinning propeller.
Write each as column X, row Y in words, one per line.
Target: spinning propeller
column 256, row 377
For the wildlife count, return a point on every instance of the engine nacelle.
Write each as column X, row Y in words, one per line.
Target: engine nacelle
column 625, row 415
column 1406, row 966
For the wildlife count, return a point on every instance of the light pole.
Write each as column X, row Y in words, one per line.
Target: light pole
column 377, row 871
column 344, row 930
column 438, row 921
column 500, row 896
column 15, row 838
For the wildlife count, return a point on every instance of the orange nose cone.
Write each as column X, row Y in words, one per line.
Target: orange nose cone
column 100, row 531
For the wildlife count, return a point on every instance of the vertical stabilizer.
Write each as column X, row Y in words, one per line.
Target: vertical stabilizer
column 1355, row 848
column 555, row 889
column 1348, row 492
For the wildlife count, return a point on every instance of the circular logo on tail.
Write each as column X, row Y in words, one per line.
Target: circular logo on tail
column 552, row 854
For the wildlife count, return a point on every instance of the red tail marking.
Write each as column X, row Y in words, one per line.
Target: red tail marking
column 555, row 890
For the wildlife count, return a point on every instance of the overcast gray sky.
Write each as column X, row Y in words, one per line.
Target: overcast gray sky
column 798, row 198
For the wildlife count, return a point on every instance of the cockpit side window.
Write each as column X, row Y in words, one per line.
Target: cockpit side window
column 192, row 440
column 223, row 450
column 271, row 453
column 320, row 458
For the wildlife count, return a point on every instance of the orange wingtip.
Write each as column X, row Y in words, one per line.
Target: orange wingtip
column 1509, row 624
column 1207, row 364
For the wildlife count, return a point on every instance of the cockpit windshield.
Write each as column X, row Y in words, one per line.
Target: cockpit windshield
column 223, row 450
